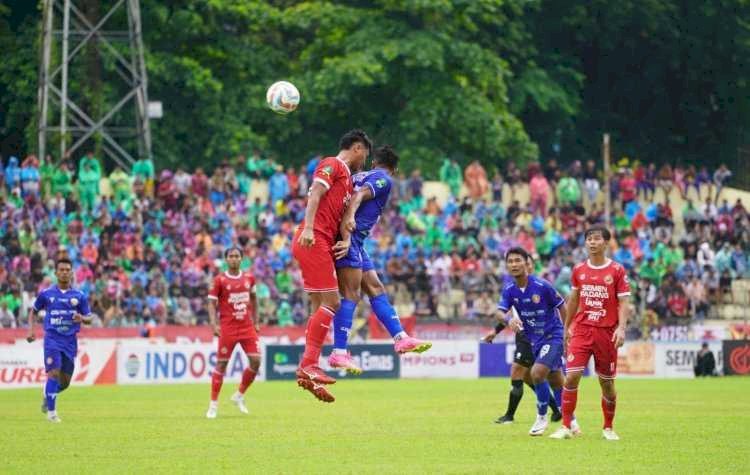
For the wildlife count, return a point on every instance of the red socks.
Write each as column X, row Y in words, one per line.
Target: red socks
column 216, row 381
column 569, row 401
column 608, row 409
column 317, row 330
column 248, row 376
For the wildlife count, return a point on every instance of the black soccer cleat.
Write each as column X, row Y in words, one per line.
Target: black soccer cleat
column 504, row 419
column 556, row 416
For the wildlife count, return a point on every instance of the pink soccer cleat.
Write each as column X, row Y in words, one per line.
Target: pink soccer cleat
column 409, row 344
column 344, row 361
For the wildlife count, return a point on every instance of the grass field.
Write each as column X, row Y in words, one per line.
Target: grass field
column 392, row 426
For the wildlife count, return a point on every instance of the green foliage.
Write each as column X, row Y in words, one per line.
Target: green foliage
column 423, row 76
column 18, row 74
column 494, row 80
column 669, row 79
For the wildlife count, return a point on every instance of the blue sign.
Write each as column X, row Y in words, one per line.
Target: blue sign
column 495, row 359
column 377, row 361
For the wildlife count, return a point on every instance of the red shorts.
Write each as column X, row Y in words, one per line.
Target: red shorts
column 248, row 340
column 317, row 264
column 588, row 340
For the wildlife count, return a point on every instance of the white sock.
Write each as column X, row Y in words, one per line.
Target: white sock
column 400, row 335
column 213, row 403
column 51, row 414
column 339, row 351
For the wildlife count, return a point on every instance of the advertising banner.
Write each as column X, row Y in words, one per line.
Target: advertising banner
column 494, row 360
column 377, row 361
column 737, row 357
column 447, row 331
column 22, row 364
column 147, row 362
column 697, row 332
column 677, row 360
column 446, row 359
column 636, row 358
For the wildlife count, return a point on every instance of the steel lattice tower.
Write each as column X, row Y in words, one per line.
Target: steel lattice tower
column 66, row 31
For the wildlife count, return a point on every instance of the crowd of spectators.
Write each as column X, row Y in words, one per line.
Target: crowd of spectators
column 145, row 245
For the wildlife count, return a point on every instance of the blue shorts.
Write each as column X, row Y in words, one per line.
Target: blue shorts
column 60, row 354
column 550, row 354
column 357, row 258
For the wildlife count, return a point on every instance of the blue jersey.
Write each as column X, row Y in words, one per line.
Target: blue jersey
column 60, row 306
column 536, row 306
column 379, row 182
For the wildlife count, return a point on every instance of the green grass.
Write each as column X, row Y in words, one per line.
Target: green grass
column 666, row 426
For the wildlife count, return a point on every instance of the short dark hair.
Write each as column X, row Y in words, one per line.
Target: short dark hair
column 233, row 248
column 385, row 155
column 518, row 251
column 63, row 260
column 355, row 136
column 598, row 229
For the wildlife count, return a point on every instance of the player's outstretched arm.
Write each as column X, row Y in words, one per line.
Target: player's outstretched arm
column 563, row 313
column 500, row 318
column 348, row 224
column 211, row 307
column 85, row 319
column 623, row 311
column 317, row 190
column 30, row 317
column 254, row 304
column 569, row 310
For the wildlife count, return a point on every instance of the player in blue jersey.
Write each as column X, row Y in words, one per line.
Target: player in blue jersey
column 523, row 358
column 536, row 304
column 354, row 269
column 65, row 308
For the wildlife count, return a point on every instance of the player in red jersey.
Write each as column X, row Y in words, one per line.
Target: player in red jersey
column 315, row 249
column 233, row 292
column 598, row 306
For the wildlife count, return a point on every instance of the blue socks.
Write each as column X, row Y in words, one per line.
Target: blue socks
column 558, row 397
column 342, row 321
column 342, row 324
column 50, row 392
column 542, row 391
column 386, row 314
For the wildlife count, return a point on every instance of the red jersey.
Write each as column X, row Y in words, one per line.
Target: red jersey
column 599, row 289
column 235, row 307
column 335, row 175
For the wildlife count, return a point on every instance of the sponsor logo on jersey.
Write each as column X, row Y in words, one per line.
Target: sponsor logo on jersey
column 327, row 171
column 536, row 298
column 608, row 279
column 74, row 301
column 380, row 182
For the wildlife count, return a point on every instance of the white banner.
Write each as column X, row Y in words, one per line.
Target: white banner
column 677, row 360
column 22, row 364
column 446, row 359
column 144, row 362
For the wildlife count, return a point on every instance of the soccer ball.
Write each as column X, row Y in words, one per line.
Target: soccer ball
column 282, row 97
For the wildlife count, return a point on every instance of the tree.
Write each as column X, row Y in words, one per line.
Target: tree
column 427, row 77
column 668, row 78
